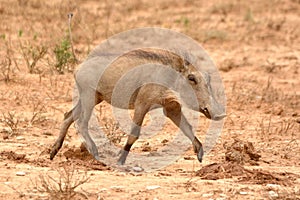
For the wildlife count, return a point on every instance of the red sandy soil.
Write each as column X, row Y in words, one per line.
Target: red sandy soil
column 255, row 45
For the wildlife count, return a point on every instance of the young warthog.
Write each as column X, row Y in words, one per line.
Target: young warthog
column 96, row 84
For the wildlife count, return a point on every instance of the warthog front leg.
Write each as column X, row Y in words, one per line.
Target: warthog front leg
column 138, row 117
column 173, row 111
column 134, row 135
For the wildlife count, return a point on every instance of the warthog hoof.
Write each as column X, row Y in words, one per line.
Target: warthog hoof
column 94, row 152
column 55, row 148
column 53, row 153
column 200, row 154
column 123, row 157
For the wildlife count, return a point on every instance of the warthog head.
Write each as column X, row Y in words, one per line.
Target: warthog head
column 200, row 82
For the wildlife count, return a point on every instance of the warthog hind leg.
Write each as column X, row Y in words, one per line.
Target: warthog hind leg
column 69, row 118
column 88, row 104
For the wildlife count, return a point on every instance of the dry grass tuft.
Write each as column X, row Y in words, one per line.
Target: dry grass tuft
column 62, row 187
column 12, row 122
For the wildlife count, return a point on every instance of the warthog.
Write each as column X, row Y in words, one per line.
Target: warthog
column 95, row 87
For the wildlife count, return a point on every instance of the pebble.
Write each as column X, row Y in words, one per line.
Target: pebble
column 137, row 169
column 272, row 186
column 20, row 173
column 20, row 138
column 243, row 193
column 273, row 194
column 223, row 195
column 207, row 195
column 152, row 187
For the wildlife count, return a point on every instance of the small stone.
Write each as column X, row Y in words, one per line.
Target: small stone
column 21, row 173
column 243, row 193
column 34, row 190
column 223, row 195
column 137, row 169
column 273, row 194
column 152, row 187
column 272, row 186
column 207, row 195
column 20, row 138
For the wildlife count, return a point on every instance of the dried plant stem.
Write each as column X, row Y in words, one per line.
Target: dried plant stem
column 70, row 15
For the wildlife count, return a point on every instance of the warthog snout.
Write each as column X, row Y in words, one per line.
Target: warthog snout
column 215, row 117
column 207, row 103
column 218, row 110
column 215, row 111
column 219, row 117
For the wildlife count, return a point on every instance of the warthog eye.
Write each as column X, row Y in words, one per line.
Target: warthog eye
column 192, row 78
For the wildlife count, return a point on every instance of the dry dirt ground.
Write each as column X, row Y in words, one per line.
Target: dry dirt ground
column 255, row 45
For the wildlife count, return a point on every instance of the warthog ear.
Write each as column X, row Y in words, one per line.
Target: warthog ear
column 183, row 67
column 186, row 64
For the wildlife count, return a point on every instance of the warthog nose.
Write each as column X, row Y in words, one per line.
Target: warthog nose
column 219, row 117
column 206, row 113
